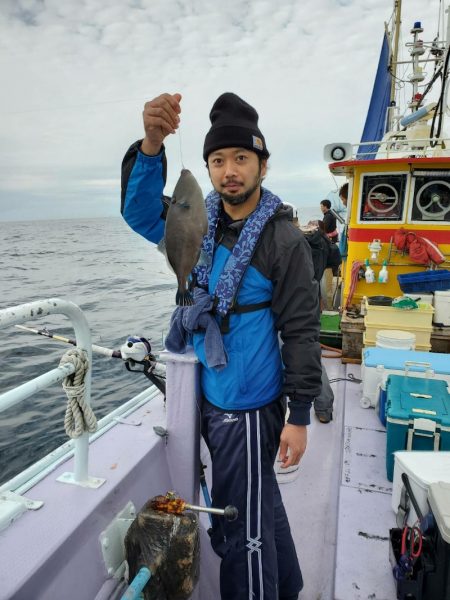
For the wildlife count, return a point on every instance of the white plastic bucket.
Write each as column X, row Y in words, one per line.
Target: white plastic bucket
column 442, row 308
column 393, row 338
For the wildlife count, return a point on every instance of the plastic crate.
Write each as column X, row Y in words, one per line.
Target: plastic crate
column 399, row 318
column 423, row 334
column 330, row 321
column 425, row 281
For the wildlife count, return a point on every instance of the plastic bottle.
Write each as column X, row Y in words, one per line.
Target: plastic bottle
column 369, row 274
column 383, row 275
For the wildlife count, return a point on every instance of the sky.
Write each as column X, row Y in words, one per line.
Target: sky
column 75, row 75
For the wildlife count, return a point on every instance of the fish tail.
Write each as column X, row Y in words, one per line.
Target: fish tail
column 184, row 298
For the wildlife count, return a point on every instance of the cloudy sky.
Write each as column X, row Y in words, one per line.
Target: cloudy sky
column 75, row 75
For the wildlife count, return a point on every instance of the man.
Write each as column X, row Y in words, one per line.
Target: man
column 322, row 251
column 343, row 194
column 243, row 412
column 329, row 221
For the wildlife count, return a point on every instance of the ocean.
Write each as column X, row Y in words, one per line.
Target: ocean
column 124, row 287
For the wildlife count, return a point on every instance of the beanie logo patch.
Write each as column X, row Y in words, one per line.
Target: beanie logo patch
column 257, row 143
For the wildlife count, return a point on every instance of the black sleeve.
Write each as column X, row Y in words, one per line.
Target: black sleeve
column 295, row 303
column 127, row 166
column 320, row 249
column 329, row 222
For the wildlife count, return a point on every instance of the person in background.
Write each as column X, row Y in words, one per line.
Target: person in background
column 343, row 247
column 324, row 260
column 262, row 270
column 326, row 279
column 329, row 221
column 343, row 194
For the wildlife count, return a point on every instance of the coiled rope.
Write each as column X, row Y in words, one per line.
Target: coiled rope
column 79, row 416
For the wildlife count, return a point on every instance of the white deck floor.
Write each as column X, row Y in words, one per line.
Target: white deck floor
column 339, row 507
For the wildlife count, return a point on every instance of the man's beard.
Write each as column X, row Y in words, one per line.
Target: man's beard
column 235, row 200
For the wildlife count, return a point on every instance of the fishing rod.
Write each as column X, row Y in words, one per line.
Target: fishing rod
column 136, row 350
column 46, row 333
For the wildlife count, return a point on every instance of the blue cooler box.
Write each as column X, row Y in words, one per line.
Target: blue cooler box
column 378, row 363
column 417, row 416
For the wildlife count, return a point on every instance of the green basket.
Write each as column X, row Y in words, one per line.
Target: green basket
column 330, row 322
column 330, row 329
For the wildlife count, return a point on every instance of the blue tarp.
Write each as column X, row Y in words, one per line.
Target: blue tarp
column 374, row 128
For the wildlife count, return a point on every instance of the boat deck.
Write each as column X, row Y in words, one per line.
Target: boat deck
column 339, row 507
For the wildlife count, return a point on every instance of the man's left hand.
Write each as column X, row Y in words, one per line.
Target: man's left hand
column 292, row 444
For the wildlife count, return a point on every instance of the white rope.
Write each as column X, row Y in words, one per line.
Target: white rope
column 79, row 416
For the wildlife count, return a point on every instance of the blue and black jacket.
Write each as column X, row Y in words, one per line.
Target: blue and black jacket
column 280, row 274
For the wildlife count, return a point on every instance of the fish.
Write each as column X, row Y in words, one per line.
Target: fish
column 186, row 226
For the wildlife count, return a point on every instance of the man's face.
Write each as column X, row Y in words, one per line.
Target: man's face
column 236, row 174
column 323, row 208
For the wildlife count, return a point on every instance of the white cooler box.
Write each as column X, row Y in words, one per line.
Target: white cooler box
column 423, row 468
column 378, row 363
column 442, row 308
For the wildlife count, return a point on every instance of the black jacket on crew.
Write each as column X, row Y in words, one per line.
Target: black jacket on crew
column 329, row 222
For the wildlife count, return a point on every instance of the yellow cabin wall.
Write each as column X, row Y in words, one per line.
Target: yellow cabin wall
column 358, row 250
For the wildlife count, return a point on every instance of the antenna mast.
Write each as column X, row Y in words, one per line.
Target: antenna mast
column 394, row 56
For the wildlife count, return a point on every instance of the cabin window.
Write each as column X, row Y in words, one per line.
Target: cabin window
column 431, row 200
column 383, row 197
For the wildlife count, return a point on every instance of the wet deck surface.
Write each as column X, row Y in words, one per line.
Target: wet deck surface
column 339, row 507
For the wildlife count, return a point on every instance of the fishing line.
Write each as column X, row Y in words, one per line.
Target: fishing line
column 181, row 149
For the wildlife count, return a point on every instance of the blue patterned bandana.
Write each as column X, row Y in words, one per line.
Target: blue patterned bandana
column 241, row 255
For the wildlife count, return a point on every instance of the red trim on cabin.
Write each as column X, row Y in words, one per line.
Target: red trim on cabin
column 388, row 161
column 356, row 234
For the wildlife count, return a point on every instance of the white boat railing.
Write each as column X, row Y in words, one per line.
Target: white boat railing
column 38, row 309
column 398, row 145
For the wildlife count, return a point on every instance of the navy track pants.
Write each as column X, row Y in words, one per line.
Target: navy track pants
column 259, row 561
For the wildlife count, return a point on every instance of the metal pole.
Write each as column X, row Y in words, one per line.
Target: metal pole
column 16, row 395
column 393, row 62
column 447, row 36
column 229, row 512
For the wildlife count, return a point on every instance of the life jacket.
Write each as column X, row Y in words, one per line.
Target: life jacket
column 403, row 238
column 434, row 252
column 228, row 284
column 421, row 250
column 418, row 252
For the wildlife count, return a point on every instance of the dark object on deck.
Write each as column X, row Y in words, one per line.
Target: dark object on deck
column 352, row 338
column 380, row 300
column 168, row 544
column 411, row 575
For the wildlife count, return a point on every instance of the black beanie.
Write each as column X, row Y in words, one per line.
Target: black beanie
column 234, row 124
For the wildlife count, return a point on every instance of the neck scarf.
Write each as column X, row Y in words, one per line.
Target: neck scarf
column 241, row 255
